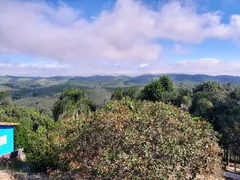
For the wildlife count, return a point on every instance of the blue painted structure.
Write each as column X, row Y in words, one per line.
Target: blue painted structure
column 6, row 139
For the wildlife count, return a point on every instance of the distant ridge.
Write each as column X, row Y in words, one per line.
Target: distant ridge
column 141, row 79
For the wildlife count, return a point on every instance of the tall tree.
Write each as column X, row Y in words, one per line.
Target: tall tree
column 159, row 90
column 71, row 103
column 166, row 83
column 152, row 91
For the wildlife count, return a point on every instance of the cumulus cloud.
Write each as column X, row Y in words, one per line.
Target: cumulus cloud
column 123, row 38
column 128, row 32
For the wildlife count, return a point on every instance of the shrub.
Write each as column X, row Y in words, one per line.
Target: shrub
column 42, row 147
column 135, row 140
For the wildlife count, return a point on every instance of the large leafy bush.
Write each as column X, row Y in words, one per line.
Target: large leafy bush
column 136, row 140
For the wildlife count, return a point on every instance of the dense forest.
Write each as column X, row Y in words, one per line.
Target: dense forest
column 156, row 127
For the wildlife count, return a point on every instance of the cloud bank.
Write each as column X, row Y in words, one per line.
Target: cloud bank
column 209, row 66
column 131, row 31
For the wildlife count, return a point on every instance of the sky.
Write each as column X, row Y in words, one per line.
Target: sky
column 119, row 37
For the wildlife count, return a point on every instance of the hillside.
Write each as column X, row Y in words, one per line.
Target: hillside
column 43, row 91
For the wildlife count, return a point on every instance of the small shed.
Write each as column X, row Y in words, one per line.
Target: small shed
column 7, row 137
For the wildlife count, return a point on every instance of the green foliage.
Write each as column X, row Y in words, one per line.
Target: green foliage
column 152, row 91
column 166, row 83
column 203, row 105
column 25, row 116
column 125, row 138
column 5, row 99
column 119, row 93
column 72, row 103
column 3, row 94
column 35, row 134
column 159, row 90
column 220, row 105
column 43, row 104
column 227, row 120
column 42, row 147
column 184, row 96
column 187, row 100
column 132, row 93
column 135, row 140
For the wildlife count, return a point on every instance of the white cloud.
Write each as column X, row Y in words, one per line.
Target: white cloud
column 24, row 69
column 143, row 65
column 128, row 32
column 210, row 66
column 235, row 24
column 36, row 28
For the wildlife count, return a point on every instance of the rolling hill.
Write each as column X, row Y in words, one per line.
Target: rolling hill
column 38, row 90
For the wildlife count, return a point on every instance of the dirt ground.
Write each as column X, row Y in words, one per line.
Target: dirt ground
column 5, row 175
column 8, row 175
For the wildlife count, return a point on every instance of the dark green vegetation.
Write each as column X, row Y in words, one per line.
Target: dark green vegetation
column 116, row 128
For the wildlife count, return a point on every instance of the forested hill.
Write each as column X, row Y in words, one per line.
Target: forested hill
column 198, row 78
column 45, row 90
column 142, row 79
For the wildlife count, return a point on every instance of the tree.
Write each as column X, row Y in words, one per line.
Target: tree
column 184, row 97
column 227, row 115
column 166, row 83
column 5, row 98
column 186, row 100
column 159, row 90
column 3, row 94
column 119, row 93
column 203, row 106
column 71, row 103
column 213, row 91
column 205, row 96
column 219, row 104
column 132, row 93
column 152, row 91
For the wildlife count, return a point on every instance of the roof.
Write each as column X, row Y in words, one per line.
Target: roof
column 8, row 124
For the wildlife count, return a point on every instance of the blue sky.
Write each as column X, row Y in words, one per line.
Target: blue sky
column 122, row 37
